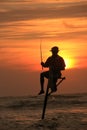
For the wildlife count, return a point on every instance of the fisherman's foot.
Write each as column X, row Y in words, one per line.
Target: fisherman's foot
column 54, row 90
column 41, row 92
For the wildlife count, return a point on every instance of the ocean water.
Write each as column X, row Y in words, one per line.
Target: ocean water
column 63, row 112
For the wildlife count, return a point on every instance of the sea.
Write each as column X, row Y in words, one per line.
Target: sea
column 63, row 112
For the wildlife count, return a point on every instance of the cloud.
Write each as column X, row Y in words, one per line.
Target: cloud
column 73, row 26
column 47, row 11
column 16, row 46
column 37, row 35
column 72, row 35
column 25, row 21
column 2, row 1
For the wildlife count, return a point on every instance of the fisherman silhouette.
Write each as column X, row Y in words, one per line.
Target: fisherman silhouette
column 56, row 64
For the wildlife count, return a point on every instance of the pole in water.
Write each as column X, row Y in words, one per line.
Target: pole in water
column 50, row 82
column 47, row 95
column 45, row 103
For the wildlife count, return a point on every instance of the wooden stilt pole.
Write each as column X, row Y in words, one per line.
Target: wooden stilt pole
column 45, row 103
column 46, row 97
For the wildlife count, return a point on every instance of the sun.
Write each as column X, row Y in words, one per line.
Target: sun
column 69, row 63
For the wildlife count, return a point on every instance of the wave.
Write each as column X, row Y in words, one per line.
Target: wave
column 37, row 101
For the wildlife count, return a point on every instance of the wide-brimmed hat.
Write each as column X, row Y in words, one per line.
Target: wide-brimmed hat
column 54, row 49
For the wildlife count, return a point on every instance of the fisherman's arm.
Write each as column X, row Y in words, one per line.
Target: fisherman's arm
column 45, row 64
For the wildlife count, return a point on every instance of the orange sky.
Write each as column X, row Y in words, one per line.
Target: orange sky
column 24, row 24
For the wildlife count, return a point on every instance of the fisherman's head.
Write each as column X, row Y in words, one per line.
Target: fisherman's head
column 54, row 50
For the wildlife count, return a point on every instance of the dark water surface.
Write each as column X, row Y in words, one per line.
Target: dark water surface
column 63, row 112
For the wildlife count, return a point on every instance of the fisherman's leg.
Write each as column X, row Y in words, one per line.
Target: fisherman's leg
column 42, row 80
column 42, row 76
column 55, row 79
column 54, row 89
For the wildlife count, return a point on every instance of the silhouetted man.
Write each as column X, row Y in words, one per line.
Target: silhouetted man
column 55, row 63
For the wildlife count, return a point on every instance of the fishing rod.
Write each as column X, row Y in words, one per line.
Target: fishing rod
column 41, row 52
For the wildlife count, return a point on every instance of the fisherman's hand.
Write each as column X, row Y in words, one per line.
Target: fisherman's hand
column 42, row 63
